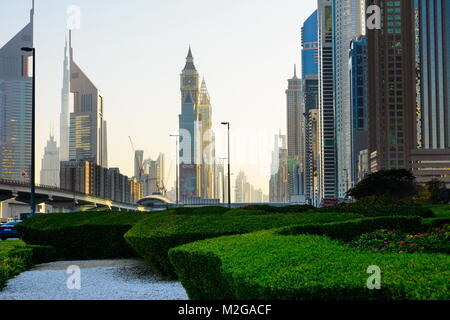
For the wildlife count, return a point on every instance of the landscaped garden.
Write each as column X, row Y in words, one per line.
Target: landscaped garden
column 263, row 252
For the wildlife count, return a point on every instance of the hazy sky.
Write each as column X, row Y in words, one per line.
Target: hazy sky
column 134, row 51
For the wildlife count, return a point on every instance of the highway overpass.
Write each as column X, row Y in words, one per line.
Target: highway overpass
column 62, row 200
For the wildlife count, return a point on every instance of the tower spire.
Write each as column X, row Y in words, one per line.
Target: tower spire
column 189, row 61
column 32, row 11
column 295, row 70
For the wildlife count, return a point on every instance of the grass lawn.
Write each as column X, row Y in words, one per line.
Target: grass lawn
column 441, row 211
column 7, row 246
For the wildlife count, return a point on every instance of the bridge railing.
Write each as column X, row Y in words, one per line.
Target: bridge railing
column 53, row 188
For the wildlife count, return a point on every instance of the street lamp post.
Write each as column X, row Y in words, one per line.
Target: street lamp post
column 223, row 178
column 229, row 170
column 33, row 135
column 177, row 136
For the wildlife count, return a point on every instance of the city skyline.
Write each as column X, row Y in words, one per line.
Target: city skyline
column 225, row 85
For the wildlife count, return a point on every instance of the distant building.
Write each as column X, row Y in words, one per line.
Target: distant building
column 245, row 192
column 189, row 131
column 197, row 141
column 154, row 176
column 88, row 140
column 64, row 119
column 295, row 138
column 16, row 105
column 278, row 187
column 91, row 179
column 50, row 164
column 138, row 164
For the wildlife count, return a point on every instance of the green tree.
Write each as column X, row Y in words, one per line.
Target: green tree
column 396, row 184
column 439, row 192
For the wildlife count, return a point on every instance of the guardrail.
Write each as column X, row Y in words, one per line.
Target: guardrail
column 53, row 188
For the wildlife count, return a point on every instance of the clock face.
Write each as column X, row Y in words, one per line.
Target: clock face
column 189, row 81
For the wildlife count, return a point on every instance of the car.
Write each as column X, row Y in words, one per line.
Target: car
column 8, row 230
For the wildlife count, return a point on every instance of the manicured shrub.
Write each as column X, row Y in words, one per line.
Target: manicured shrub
column 83, row 235
column 284, row 209
column 17, row 258
column 348, row 230
column 267, row 265
column 153, row 237
column 381, row 211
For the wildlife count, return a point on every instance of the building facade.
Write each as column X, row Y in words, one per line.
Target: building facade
column 358, row 106
column 430, row 159
column 328, row 154
column 348, row 24
column 16, row 105
column 392, row 87
column 310, row 96
column 295, row 139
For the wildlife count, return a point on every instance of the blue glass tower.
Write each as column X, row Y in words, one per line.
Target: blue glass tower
column 310, row 38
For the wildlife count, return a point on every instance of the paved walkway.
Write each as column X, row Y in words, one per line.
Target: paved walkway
column 127, row 279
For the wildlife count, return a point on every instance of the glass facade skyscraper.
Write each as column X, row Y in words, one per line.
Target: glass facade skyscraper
column 348, row 24
column 310, row 96
column 16, row 92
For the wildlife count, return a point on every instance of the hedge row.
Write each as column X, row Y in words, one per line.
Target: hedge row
column 23, row 258
column 83, row 235
column 381, row 211
column 267, row 265
column 348, row 230
column 153, row 237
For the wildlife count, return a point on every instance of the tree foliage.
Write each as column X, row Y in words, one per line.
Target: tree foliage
column 396, row 184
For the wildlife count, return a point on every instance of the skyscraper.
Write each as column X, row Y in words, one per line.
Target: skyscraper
column 16, row 105
column 64, row 120
column 431, row 155
column 153, row 176
column 189, row 131
column 328, row 154
column 50, row 164
column 138, row 164
column 295, row 137
column 197, row 140
column 278, row 185
column 358, row 106
column 392, row 87
column 88, row 140
column 310, row 89
column 348, row 23
column 208, row 143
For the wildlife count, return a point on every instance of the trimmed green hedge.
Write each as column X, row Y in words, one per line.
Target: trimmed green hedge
column 153, row 237
column 348, row 230
column 82, row 235
column 382, row 211
column 267, row 265
column 284, row 209
column 21, row 258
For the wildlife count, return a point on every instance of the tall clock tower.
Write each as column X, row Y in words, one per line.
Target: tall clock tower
column 190, row 132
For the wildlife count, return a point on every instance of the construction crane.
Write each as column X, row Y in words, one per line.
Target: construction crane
column 140, row 165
